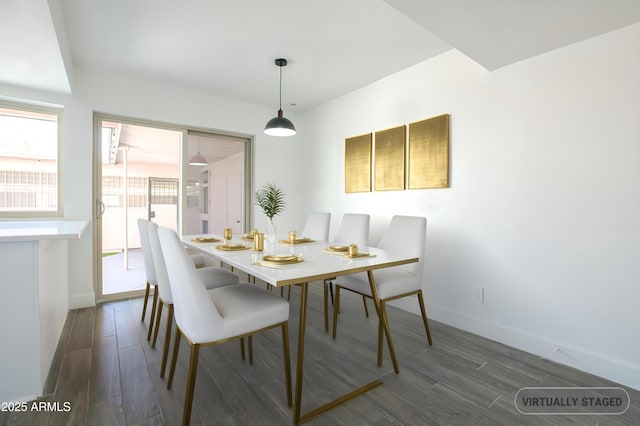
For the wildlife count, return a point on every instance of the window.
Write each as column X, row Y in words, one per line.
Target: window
column 30, row 163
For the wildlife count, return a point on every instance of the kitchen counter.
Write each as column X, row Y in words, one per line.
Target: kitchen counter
column 34, row 290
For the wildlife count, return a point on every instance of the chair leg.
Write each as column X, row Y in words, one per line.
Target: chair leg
column 153, row 311
column 326, row 306
column 250, row 350
column 380, row 343
column 158, row 316
column 146, row 299
column 336, row 309
column 287, row 361
column 289, row 293
column 191, row 384
column 242, row 348
column 167, row 339
column 364, row 302
column 424, row 317
column 174, row 358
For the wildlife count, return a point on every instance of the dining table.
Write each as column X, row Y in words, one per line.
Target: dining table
column 304, row 261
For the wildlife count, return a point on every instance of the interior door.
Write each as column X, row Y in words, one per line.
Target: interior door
column 234, row 202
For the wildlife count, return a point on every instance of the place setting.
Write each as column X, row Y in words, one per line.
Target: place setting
column 228, row 245
column 205, row 240
column 278, row 261
column 294, row 239
column 350, row 251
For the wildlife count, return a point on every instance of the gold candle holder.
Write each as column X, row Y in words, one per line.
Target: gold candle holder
column 258, row 241
column 292, row 237
column 353, row 249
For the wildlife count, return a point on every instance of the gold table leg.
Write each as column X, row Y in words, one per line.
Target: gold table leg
column 299, row 418
column 384, row 323
column 297, row 401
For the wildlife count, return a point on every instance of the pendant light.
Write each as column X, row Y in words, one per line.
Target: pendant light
column 280, row 126
column 198, row 160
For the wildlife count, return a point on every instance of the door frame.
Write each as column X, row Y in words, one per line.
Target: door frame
column 98, row 118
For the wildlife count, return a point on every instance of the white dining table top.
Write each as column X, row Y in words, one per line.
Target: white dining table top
column 317, row 265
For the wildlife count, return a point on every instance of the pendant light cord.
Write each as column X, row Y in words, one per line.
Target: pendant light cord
column 280, row 86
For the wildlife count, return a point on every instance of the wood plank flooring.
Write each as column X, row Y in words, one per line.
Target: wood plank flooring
column 108, row 372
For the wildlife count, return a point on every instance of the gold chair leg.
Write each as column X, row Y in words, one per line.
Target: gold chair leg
column 326, row 306
column 191, row 384
column 424, row 317
column 242, row 348
column 336, row 309
column 287, row 361
column 159, row 315
column 174, row 358
column 364, row 302
column 380, row 337
column 146, row 299
column 251, row 350
column 153, row 311
column 167, row 340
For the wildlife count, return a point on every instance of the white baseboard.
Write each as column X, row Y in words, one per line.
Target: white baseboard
column 85, row 300
column 610, row 368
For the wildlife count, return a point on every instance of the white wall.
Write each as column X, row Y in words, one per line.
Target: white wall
column 544, row 201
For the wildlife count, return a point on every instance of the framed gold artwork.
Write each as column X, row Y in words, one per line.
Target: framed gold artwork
column 389, row 159
column 357, row 164
column 429, row 153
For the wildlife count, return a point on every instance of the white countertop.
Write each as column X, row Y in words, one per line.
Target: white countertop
column 46, row 229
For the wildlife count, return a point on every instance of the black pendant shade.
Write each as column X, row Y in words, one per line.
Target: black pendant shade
column 280, row 126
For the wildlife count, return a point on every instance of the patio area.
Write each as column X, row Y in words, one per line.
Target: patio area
column 117, row 279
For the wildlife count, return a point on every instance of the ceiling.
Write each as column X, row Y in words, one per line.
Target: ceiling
column 227, row 48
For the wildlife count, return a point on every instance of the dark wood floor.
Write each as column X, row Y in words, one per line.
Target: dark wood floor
column 107, row 371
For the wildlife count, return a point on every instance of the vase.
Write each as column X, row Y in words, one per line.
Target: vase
column 271, row 238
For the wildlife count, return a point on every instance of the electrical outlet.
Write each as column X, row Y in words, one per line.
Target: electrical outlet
column 478, row 294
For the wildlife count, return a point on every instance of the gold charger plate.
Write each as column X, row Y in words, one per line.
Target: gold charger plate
column 300, row 240
column 232, row 247
column 358, row 255
column 205, row 240
column 337, row 249
column 277, row 261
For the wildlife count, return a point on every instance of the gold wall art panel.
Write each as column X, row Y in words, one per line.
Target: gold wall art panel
column 429, row 153
column 357, row 164
column 389, row 159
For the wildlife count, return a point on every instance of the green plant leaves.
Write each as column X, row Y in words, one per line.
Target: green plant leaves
column 271, row 199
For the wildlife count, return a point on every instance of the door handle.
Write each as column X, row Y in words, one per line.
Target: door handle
column 100, row 208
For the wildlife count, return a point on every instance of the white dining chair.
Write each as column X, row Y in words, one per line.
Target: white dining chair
column 211, row 276
column 150, row 273
column 211, row 317
column 405, row 234
column 317, row 226
column 354, row 229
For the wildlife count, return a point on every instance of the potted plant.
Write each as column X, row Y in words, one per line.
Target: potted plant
column 271, row 199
